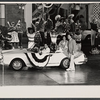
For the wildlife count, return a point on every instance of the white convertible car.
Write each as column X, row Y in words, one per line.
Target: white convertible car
column 17, row 59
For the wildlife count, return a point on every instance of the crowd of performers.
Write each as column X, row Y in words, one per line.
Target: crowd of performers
column 45, row 36
column 64, row 36
column 40, row 34
column 11, row 37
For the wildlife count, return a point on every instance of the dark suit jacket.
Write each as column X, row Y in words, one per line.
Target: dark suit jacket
column 45, row 40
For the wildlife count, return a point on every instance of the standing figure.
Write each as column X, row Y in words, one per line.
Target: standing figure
column 58, row 25
column 37, row 39
column 72, row 49
column 94, row 30
column 72, row 23
column 46, row 38
column 1, row 39
column 20, row 34
column 57, row 19
column 15, row 39
column 14, row 34
column 30, row 35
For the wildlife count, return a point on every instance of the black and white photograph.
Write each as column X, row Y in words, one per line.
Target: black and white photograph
column 49, row 44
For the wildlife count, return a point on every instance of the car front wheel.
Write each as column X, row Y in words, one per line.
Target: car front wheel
column 17, row 64
column 65, row 63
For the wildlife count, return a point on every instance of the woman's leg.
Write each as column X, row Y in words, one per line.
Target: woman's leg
column 13, row 45
column 20, row 39
column 17, row 44
column 79, row 46
column 71, row 65
column 29, row 45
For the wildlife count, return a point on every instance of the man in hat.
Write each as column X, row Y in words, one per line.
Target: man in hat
column 72, row 23
column 57, row 19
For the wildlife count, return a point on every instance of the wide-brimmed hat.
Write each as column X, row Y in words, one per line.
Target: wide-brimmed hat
column 62, row 18
column 37, row 23
column 57, row 17
column 71, row 16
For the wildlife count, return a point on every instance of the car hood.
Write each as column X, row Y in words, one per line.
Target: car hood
column 14, row 51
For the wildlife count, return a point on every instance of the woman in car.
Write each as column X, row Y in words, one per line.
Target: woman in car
column 31, row 35
column 63, row 45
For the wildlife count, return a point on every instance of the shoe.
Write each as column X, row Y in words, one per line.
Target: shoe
column 69, row 69
column 13, row 48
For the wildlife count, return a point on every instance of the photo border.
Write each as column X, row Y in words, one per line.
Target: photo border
column 51, row 92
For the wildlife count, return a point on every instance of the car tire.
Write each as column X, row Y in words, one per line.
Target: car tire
column 17, row 64
column 65, row 63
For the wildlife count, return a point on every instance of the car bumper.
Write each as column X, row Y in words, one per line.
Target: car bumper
column 82, row 62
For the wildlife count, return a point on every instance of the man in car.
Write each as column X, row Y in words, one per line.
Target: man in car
column 46, row 49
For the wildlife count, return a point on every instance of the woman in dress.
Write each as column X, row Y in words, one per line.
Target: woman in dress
column 63, row 45
column 31, row 35
column 72, row 23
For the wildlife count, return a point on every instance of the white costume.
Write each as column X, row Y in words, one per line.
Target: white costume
column 14, row 36
column 31, row 40
column 47, row 50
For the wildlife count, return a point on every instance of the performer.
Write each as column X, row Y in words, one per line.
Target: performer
column 30, row 35
column 72, row 49
column 72, row 23
column 20, row 34
column 63, row 45
column 14, row 34
column 94, row 30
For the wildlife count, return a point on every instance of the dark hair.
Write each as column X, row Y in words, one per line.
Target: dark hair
column 30, row 28
column 77, row 33
column 70, row 34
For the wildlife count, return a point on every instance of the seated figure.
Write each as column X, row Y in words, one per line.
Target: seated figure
column 63, row 45
column 46, row 49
